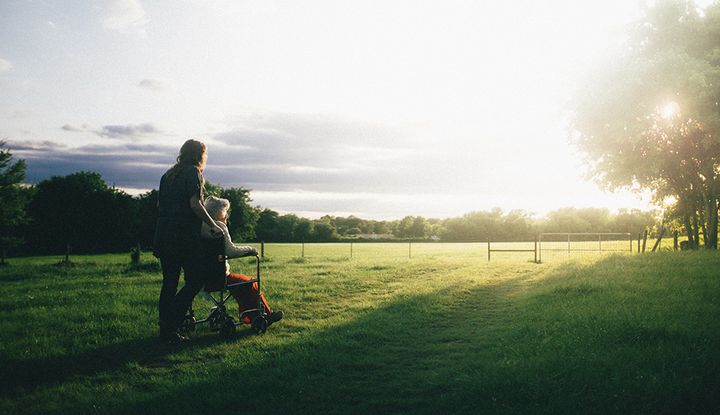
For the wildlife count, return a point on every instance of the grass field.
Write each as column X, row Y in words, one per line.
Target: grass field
column 443, row 332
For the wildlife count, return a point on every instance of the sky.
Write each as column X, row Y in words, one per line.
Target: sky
column 379, row 109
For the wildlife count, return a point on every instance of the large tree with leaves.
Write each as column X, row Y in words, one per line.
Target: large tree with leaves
column 13, row 198
column 650, row 119
column 82, row 212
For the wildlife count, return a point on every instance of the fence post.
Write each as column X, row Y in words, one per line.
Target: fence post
column 675, row 240
column 540, row 249
column 600, row 242
column 536, row 249
column 303, row 249
column 488, row 249
column 262, row 249
column 639, row 238
column 568, row 245
column 350, row 250
column 409, row 249
column 644, row 244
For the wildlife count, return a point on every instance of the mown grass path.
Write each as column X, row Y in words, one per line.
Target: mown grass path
column 619, row 334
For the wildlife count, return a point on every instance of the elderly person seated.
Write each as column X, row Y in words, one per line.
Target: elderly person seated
column 245, row 295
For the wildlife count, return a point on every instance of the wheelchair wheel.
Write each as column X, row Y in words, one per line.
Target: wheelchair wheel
column 188, row 324
column 228, row 327
column 259, row 324
column 217, row 317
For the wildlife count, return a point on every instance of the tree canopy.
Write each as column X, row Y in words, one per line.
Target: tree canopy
column 651, row 118
column 13, row 198
column 82, row 212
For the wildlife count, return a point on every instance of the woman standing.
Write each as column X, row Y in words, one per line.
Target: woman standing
column 177, row 236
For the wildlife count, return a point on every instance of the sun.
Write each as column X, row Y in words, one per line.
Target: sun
column 670, row 110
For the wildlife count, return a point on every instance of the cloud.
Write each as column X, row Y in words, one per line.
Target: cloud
column 125, row 16
column 21, row 114
column 68, row 127
column 274, row 153
column 157, row 85
column 34, row 146
column 5, row 66
column 127, row 131
column 291, row 152
column 125, row 165
column 290, row 160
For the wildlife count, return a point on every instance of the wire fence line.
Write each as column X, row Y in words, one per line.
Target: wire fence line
column 547, row 247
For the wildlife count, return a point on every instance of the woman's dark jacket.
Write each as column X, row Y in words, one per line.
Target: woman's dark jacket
column 178, row 228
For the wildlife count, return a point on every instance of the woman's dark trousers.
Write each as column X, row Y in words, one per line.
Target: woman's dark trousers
column 174, row 304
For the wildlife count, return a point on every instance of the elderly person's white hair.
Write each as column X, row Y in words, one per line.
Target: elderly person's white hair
column 217, row 207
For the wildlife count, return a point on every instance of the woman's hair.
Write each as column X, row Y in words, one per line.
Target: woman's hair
column 192, row 153
column 215, row 206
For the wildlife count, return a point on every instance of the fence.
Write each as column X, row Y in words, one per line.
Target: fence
column 545, row 247
column 567, row 244
column 505, row 248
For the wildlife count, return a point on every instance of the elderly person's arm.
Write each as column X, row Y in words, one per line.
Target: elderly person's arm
column 217, row 209
column 232, row 250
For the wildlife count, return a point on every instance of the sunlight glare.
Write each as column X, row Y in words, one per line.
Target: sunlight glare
column 669, row 110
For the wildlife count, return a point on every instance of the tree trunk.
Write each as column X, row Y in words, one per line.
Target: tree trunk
column 659, row 238
column 696, row 230
column 689, row 230
column 712, row 224
column 703, row 224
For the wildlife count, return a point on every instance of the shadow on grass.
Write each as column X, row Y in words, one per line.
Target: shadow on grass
column 23, row 376
column 488, row 349
column 507, row 347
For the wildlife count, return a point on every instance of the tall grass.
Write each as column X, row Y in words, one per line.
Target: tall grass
column 431, row 334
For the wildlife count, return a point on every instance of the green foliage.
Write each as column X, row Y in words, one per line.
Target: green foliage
column 266, row 229
column 145, row 212
column 494, row 224
column 651, row 119
column 243, row 217
column 80, row 210
column 412, row 227
column 13, row 199
column 324, row 231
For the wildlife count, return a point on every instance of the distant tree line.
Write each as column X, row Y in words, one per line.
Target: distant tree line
column 82, row 212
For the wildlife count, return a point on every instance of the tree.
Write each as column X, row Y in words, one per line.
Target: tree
column 324, row 230
column 286, row 228
column 419, row 228
column 304, row 230
column 344, row 225
column 652, row 120
column 267, row 224
column 243, row 217
column 633, row 221
column 145, row 214
column 81, row 211
column 13, row 199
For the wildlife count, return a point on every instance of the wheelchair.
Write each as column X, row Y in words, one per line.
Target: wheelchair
column 218, row 289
